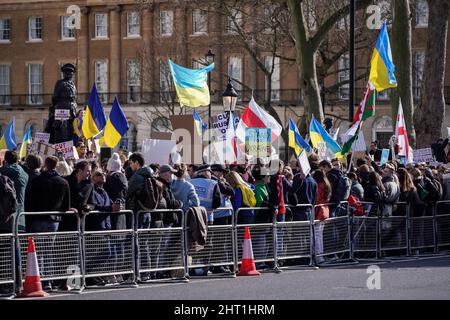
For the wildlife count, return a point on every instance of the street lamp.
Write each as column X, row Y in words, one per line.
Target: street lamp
column 209, row 56
column 229, row 97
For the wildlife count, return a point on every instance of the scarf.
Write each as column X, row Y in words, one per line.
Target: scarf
column 282, row 207
column 248, row 197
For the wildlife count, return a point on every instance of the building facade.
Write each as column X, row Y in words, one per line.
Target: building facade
column 123, row 48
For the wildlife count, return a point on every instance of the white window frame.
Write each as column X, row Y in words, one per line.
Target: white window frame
column 97, row 26
column 164, row 82
column 63, row 21
column 35, row 96
column 343, row 63
column 421, row 14
column 166, row 23
column 199, row 22
column 34, row 20
column 135, row 24
column 418, row 72
column 235, row 71
column 234, row 20
column 101, row 82
column 5, row 84
column 3, row 29
column 133, row 82
column 275, row 80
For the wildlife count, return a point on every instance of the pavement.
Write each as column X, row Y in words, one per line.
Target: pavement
column 411, row 278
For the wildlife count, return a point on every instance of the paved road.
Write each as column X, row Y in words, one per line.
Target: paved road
column 424, row 278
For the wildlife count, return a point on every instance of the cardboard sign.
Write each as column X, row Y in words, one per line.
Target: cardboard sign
column 322, row 149
column 158, row 151
column 41, row 137
column 423, row 155
column 257, row 142
column 66, row 148
column 62, row 114
column 220, row 125
column 43, row 149
column 304, row 163
column 384, row 156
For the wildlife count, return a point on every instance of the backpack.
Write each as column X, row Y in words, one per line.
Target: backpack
column 341, row 192
column 8, row 199
column 148, row 196
column 356, row 206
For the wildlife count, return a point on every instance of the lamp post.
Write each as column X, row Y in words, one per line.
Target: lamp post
column 229, row 97
column 209, row 57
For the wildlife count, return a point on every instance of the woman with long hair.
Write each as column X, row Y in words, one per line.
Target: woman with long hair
column 322, row 211
column 243, row 197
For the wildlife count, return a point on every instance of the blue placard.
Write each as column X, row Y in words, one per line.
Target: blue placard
column 384, row 156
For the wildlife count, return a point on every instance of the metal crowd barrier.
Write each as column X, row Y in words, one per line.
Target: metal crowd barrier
column 107, row 254
column 394, row 228
column 294, row 238
column 365, row 231
column 7, row 264
column 442, row 224
column 332, row 236
column 160, row 249
column 59, row 253
column 218, row 250
column 422, row 230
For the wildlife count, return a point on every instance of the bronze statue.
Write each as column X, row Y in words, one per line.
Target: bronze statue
column 64, row 107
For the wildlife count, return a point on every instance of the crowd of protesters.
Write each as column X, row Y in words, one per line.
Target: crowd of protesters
column 125, row 181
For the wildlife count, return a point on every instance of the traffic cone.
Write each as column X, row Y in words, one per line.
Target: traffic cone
column 32, row 286
column 248, row 267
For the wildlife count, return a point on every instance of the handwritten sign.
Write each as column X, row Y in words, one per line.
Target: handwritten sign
column 66, row 148
column 41, row 137
column 257, row 142
column 423, row 155
column 322, row 149
column 62, row 114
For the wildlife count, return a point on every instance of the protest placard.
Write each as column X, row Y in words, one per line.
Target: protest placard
column 257, row 142
column 423, row 155
column 66, row 149
column 43, row 149
column 158, row 151
column 384, row 156
column 41, row 137
column 322, row 149
column 304, row 163
column 62, row 114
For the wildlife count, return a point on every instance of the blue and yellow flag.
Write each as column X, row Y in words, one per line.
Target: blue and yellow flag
column 295, row 139
column 318, row 134
column 199, row 124
column 25, row 142
column 116, row 127
column 381, row 66
column 94, row 117
column 8, row 140
column 191, row 85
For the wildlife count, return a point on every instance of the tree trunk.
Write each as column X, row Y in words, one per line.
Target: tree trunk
column 430, row 112
column 401, row 52
column 305, row 55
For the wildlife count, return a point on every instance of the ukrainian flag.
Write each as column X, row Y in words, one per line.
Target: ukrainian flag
column 94, row 117
column 191, row 85
column 318, row 134
column 116, row 127
column 27, row 140
column 381, row 66
column 199, row 124
column 295, row 139
column 8, row 140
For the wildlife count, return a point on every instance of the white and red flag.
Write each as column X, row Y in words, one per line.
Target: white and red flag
column 401, row 135
column 256, row 117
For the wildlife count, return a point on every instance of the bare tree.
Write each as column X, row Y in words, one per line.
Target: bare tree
column 429, row 115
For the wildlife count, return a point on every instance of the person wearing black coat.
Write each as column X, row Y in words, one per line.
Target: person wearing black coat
column 116, row 186
column 438, row 149
column 374, row 191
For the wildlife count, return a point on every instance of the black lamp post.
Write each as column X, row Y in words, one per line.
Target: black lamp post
column 209, row 57
column 229, row 97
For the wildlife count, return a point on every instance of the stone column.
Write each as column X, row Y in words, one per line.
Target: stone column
column 83, row 57
column 114, row 51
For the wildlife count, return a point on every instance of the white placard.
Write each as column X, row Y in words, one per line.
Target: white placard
column 423, row 155
column 322, row 149
column 304, row 163
column 158, row 151
column 62, row 114
column 448, row 131
column 220, row 126
column 43, row 149
column 41, row 137
column 66, row 148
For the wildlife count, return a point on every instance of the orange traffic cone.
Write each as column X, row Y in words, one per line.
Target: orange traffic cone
column 248, row 267
column 32, row 286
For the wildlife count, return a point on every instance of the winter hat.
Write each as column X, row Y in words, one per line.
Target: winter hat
column 114, row 164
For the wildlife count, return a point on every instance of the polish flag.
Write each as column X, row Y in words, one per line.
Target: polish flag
column 256, row 117
column 401, row 135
